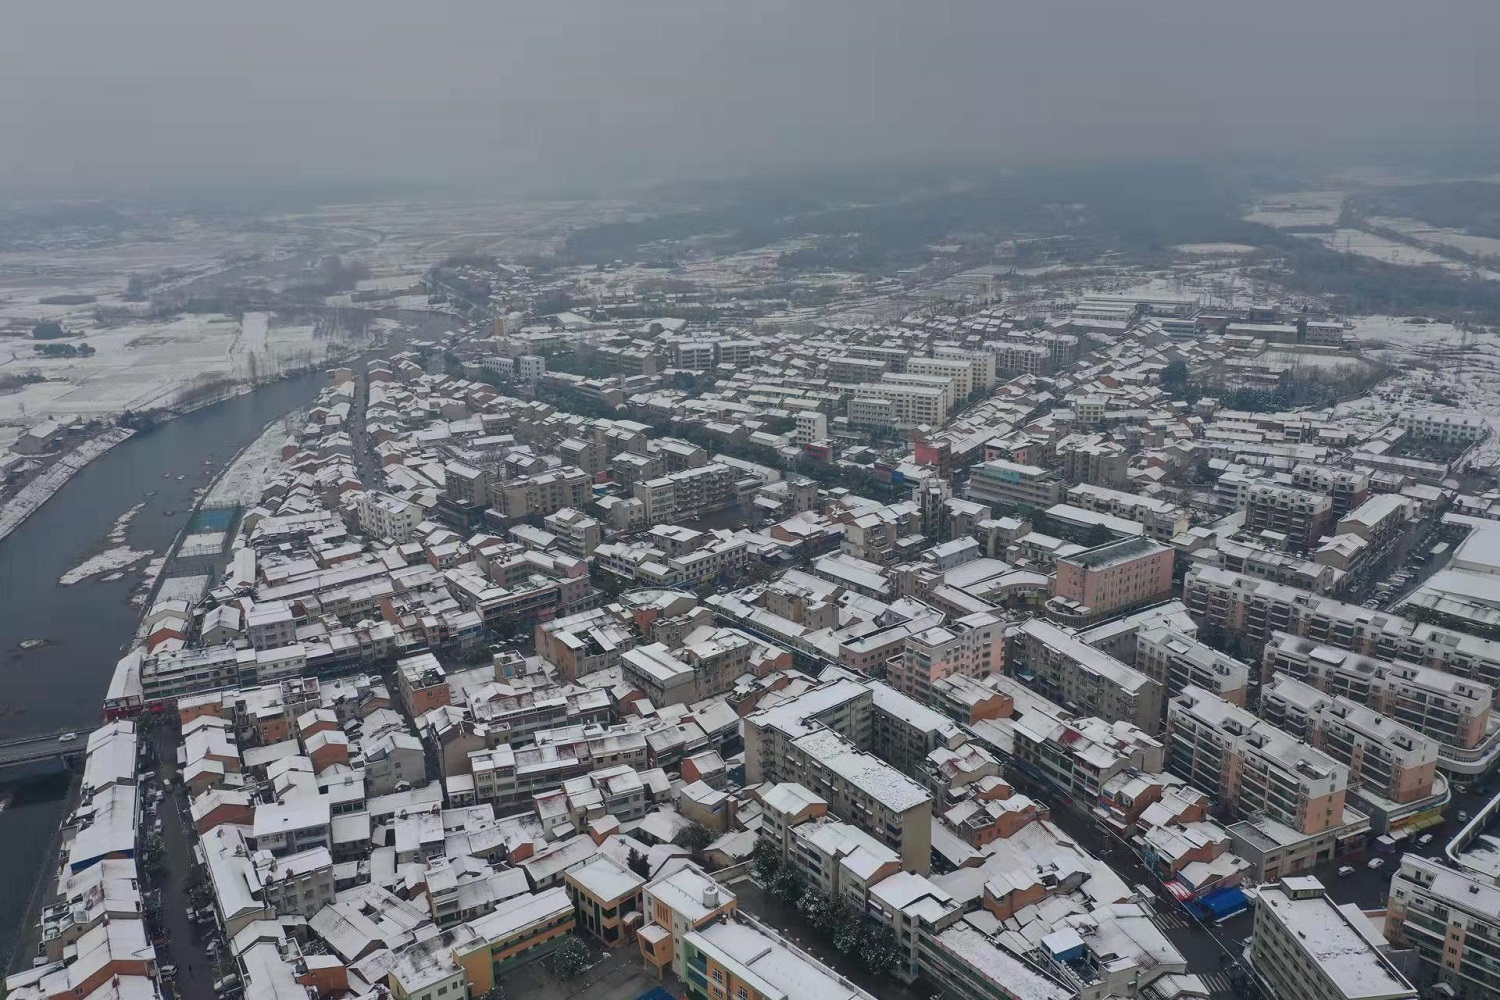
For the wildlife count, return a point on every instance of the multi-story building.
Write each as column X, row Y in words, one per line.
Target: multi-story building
column 1390, row 765
column 735, row 957
column 1175, row 661
column 973, row 645
column 1079, row 756
column 1443, row 425
column 385, row 516
column 688, row 493
column 423, row 684
column 959, row 372
column 901, row 405
column 1304, row 947
column 1346, row 488
column 1450, row 710
column 1162, row 520
column 818, row 738
column 1254, row 609
column 1112, row 577
column 1290, row 796
column 1013, row 484
column 1078, row 674
column 544, row 493
column 1380, row 520
column 1302, row 517
column 576, row 532
column 675, row 906
column 1452, row 921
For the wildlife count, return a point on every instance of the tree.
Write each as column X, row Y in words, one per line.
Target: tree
column 135, row 289
column 638, row 863
column 695, row 837
column 788, row 886
column 767, row 861
column 879, row 948
column 844, row 928
column 48, row 331
column 569, row 958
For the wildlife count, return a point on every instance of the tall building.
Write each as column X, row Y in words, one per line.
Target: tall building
column 1452, row 921
column 1112, row 577
column 1304, row 947
column 1302, row 517
column 1076, row 673
column 973, row 645
column 1289, row 796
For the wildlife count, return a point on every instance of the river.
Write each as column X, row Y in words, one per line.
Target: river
column 88, row 625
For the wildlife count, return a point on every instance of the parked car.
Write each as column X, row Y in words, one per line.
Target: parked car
column 1376, row 863
column 1347, row 870
column 1425, row 839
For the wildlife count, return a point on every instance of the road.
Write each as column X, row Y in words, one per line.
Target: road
column 182, row 944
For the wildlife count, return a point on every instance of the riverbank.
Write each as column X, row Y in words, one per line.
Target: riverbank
column 15, row 511
column 60, row 685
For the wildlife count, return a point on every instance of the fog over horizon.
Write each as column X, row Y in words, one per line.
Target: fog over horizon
column 109, row 96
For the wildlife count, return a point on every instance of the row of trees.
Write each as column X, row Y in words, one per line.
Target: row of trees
column 853, row 934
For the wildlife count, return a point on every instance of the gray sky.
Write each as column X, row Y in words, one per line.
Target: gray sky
column 171, row 90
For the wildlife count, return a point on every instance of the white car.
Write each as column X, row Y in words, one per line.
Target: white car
column 1376, row 863
column 67, row 737
column 1346, row 871
column 1424, row 840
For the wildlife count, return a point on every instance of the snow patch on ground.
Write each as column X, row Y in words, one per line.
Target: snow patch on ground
column 251, row 471
column 108, row 561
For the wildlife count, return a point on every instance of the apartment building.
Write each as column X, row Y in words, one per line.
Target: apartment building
column 384, row 516
column 687, row 493
column 544, row 493
column 516, row 931
column 1380, row 520
column 817, row 739
column 1452, row 921
column 1076, row 673
column 1304, row 947
column 1345, row 488
column 1175, row 661
column 1390, row 765
column 1113, row 577
column 1299, row 516
column 1254, row 609
column 577, row 533
column 959, row 372
column 1290, row 797
column 1451, row 710
column 1162, row 520
column 1443, row 425
column 1013, row 484
column 901, row 406
column 973, row 646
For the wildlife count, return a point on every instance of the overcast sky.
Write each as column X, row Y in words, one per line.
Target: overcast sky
column 178, row 90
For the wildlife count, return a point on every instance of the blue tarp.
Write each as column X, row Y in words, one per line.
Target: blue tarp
column 656, row 994
column 1220, row 904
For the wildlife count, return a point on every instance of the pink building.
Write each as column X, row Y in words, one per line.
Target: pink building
column 974, row 646
column 1117, row 575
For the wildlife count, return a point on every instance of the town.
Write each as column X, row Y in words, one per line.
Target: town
column 1025, row 643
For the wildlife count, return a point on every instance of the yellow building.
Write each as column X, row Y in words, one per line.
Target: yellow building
column 675, row 905
column 511, row 934
column 606, row 899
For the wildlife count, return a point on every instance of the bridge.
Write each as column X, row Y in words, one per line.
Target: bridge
column 44, row 747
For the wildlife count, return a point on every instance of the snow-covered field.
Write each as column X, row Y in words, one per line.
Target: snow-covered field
column 1479, row 246
column 252, row 470
column 117, row 558
column 1297, row 208
column 1357, row 241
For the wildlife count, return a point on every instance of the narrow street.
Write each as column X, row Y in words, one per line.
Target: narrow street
column 184, row 944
